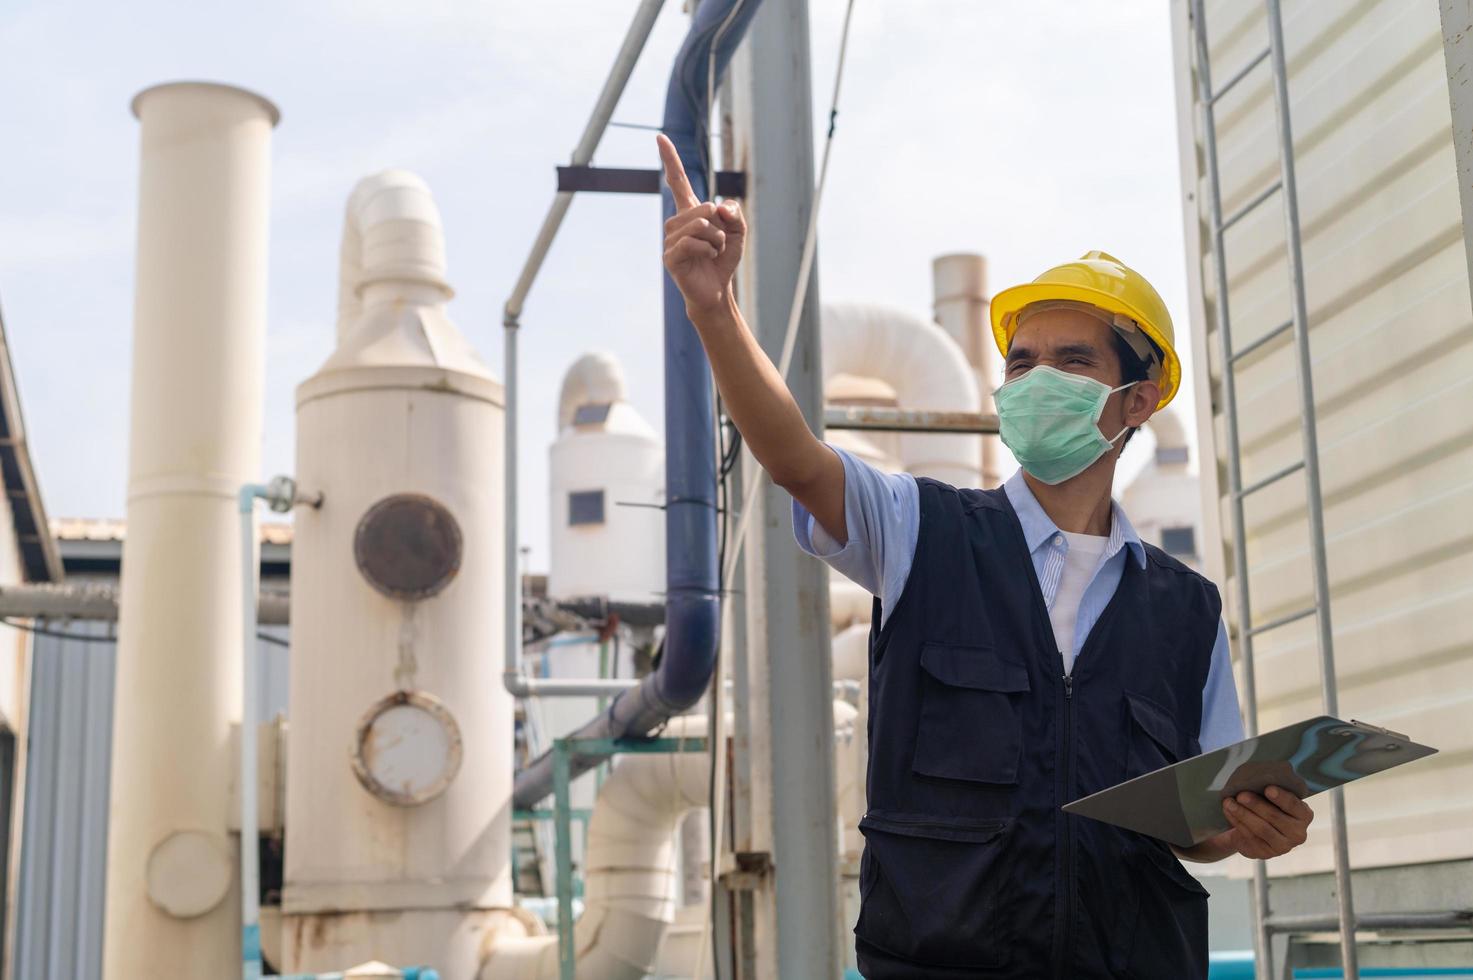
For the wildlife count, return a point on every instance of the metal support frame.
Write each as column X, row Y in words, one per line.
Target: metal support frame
column 902, row 420
column 598, row 121
column 1287, row 188
column 563, row 751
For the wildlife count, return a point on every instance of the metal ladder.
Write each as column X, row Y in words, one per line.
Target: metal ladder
column 1298, row 325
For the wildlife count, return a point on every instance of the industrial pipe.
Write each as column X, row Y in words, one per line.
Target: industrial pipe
column 281, row 494
column 634, row 41
column 927, row 370
column 630, row 861
column 692, row 603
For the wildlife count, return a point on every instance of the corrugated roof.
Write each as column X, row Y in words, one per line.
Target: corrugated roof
column 40, row 560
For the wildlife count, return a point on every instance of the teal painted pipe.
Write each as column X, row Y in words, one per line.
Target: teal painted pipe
column 1457, row 972
column 408, row 973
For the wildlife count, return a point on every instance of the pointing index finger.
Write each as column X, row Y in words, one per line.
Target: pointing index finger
column 685, row 196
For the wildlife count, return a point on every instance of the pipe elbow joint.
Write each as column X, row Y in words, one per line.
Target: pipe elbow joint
column 693, row 627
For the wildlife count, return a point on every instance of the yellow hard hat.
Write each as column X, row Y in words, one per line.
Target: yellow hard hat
column 1102, row 281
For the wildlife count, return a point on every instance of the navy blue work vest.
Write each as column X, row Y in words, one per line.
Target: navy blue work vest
column 976, row 739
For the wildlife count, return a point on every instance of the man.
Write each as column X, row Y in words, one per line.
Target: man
column 1027, row 648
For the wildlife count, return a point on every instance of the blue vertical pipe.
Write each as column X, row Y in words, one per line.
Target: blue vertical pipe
column 692, row 602
column 692, row 593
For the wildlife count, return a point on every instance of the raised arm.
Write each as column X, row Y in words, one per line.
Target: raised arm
column 703, row 244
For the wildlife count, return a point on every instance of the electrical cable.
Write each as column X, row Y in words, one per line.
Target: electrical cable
column 728, row 561
column 716, row 716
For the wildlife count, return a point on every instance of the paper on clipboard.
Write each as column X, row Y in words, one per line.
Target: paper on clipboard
column 1182, row 803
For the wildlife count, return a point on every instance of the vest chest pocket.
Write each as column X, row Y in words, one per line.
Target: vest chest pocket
column 1153, row 737
column 969, row 727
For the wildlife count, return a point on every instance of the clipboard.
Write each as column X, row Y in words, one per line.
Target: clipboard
column 1182, row 803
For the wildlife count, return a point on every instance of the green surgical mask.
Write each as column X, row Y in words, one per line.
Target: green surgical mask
column 1049, row 419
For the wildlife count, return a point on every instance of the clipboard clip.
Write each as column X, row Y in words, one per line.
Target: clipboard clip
column 1377, row 728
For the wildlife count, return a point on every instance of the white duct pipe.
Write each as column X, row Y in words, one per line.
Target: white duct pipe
column 959, row 291
column 629, row 885
column 926, row 369
column 849, row 603
column 198, row 342
column 391, row 231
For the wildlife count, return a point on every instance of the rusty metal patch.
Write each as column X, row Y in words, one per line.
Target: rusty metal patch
column 407, row 748
column 408, row 546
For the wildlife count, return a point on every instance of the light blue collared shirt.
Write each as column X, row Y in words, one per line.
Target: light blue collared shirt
column 883, row 514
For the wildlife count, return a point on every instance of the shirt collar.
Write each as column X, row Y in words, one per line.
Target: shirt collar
column 1038, row 527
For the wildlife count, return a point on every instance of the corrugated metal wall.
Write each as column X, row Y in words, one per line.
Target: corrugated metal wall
column 1392, row 340
column 64, row 832
column 64, row 842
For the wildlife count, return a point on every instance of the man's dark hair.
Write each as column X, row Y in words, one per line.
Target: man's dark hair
column 1132, row 368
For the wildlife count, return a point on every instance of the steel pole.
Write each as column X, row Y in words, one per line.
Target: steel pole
column 789, row 659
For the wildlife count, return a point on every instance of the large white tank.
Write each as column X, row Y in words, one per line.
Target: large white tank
column 400, row 769
column 607, row 482
column 1387, row 290
column 1164, row 499
column 173, row 908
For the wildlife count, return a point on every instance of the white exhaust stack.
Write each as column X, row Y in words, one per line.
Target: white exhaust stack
column 399, row 774
column 959, row 289
column 198, row 339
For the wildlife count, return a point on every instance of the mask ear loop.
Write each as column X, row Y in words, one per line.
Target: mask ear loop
column 1127, row 428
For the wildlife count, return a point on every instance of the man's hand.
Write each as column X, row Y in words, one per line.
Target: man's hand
column 1266, row 828
column 1261, row 828
column 703, row 242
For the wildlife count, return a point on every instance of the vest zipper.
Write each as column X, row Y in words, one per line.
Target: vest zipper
column 1066, row 881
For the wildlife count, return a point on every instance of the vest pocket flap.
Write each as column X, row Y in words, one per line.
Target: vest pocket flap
column 1157, row 723
column 957, row 829
column 978, row 668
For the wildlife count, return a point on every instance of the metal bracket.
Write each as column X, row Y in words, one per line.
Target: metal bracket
column 624, row 180
column 744, row 871
column 1383, row 731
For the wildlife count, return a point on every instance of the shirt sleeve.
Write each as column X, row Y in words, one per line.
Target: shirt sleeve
column 1222, row 724
column 882, row 512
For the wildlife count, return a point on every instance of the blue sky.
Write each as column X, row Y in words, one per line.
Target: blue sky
column 1030, row 132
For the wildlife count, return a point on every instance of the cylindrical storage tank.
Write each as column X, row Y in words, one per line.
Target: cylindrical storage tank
column 607, row 481
column 173, row 907
column 400, row 768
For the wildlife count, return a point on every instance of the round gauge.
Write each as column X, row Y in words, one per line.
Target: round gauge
column 408, row 546
column 407, row 748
